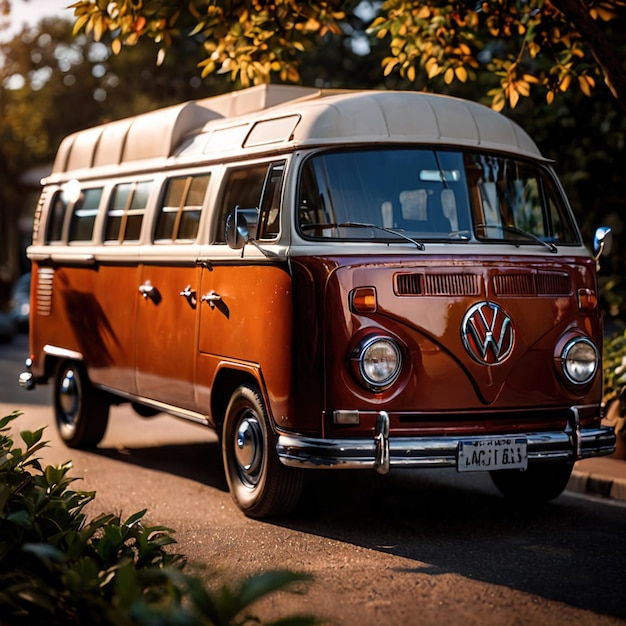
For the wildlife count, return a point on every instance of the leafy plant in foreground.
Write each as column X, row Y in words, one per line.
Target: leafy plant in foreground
column 58, row 567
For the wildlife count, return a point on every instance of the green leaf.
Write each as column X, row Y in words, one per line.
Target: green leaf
column 44, row 551
column 30, row 438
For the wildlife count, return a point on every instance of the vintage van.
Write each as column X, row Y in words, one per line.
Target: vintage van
column 329, row 279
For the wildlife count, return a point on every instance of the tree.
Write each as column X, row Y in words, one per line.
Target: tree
column 53, row 83
column 552, row 45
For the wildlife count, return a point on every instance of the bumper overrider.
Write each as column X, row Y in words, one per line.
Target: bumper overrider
column 382, row 452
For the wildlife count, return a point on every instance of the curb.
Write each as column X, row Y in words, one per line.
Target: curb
column 597, row 484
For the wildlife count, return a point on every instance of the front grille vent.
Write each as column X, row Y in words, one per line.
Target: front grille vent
column 437, row 284
column 45, row 277
column 542, row 284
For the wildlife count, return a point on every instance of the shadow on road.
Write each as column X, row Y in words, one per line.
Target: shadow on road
column 445, row 524
column 557, row 551
column 200, row 462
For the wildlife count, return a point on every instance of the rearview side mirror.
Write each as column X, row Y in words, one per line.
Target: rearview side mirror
column 602, row 243
column 241, row 227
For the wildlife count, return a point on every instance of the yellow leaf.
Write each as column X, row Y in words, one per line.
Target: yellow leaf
column 513, row 98
column 98, row 28
column 116, row 46
column 550, row 97
column 565, row 83
column 410, row 74
column 584, row 85
column 448, row 77
column 523, row 88
column 498, row 101
column 461, row 73
column 80, row 22
column 389, row 63
column 433, row 69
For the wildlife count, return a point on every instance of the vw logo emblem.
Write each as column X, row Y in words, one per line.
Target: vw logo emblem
column 488, row 333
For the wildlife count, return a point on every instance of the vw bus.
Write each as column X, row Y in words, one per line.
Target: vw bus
column 329, row 279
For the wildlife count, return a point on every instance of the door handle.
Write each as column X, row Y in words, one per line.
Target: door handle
column 190, row 295
column 212, row 298
column 149, row 291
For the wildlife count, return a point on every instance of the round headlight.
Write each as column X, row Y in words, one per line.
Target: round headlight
column 380, row 361
column 579, row 361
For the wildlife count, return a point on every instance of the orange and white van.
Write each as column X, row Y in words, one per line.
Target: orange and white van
column 370, row 279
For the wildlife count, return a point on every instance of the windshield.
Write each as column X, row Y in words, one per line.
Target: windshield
column 391, row 194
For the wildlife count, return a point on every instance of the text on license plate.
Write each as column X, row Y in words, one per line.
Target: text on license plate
column 492, row 454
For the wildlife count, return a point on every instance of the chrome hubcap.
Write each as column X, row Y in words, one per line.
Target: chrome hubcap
column 68, row 396
column 249, row 448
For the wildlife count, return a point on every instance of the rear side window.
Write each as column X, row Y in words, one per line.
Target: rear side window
column 181, row 207
column 126, row 210
column 56, row 216
column 84, row 212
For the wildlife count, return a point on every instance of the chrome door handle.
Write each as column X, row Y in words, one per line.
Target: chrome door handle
column 212, row 298
column 149, row 291
column 190, row 295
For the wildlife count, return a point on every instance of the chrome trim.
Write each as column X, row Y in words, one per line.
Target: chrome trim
column 495, row 337
column 563, row 358
column 62, row 352
column 360, row 351
column 191, row 416
column 26, row 381
column 383, row 451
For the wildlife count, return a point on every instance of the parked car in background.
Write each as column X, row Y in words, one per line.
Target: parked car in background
column 7, row 327
column 20, row 303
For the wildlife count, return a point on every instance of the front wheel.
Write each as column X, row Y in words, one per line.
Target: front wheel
column 537, row 484
column 81, row 412
column 259, row 483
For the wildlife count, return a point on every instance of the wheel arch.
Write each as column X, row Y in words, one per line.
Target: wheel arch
column 227, row 379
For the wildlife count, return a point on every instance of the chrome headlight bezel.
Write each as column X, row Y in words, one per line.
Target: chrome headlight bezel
column 579, row 360
column 388, row 362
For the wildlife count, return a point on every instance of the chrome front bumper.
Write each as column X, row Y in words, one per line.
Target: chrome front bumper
column 382, row 452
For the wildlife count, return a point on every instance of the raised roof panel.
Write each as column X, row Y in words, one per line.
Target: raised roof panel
column 302, row 115
column 159, row 133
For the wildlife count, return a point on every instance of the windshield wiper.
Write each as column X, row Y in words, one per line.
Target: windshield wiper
column 521, row 233
column 418, row 244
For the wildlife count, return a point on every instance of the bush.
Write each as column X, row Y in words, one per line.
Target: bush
column 58, row 567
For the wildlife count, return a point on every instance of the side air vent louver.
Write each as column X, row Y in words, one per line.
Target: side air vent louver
column 437, row 284
column 542, row 284
column 45, row 277
column 553, row 284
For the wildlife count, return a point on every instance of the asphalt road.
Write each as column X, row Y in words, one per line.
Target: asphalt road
column 410, row 548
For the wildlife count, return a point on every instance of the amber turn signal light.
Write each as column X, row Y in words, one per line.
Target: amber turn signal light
column 587, row 300
column 363, row 300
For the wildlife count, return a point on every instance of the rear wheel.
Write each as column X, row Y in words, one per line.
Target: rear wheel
column 259, row 483
column 81, row 411
column 539, row 483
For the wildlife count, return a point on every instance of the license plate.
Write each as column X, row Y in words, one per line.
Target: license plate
column 492, row 454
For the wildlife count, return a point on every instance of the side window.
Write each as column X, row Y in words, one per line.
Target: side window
column 269, row 222
column 126, row 210
column 181, row 207
column 56, row 215
column 254, row 186
column 84, row 214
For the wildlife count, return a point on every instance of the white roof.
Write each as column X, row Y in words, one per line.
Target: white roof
column 269, row 116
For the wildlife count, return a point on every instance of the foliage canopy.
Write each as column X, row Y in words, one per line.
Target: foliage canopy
column 553, row 45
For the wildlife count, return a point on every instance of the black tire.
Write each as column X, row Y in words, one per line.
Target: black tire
column 259, row 483
column 81, row 411
column 539, row 483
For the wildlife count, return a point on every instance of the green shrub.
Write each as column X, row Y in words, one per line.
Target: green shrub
column 59, row 567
